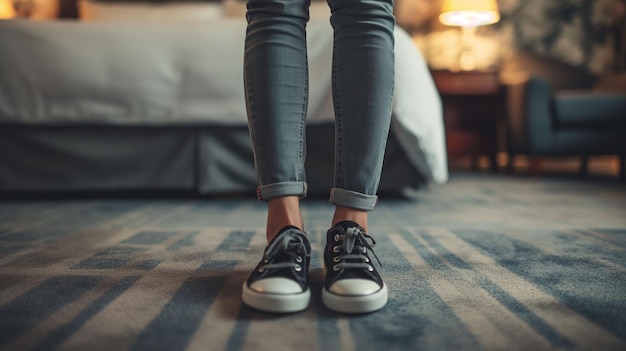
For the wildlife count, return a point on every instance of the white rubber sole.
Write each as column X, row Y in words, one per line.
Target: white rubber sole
column 355, row 304
column 277, row 303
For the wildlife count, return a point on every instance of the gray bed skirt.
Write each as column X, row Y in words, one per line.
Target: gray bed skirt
column 201, row 160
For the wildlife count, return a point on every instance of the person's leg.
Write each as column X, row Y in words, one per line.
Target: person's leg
column 276, row 82
column 363, row 79
column 363, row 75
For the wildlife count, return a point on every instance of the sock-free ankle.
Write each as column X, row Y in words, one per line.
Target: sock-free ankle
column 286, row 228
column 348, row 224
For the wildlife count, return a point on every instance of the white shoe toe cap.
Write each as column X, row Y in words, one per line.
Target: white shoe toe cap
column 276, row 285
column 354, row 287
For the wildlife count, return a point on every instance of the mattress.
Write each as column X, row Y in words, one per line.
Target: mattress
column 70, row 73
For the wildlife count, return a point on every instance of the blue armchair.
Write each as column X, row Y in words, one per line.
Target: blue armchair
column 556, row 113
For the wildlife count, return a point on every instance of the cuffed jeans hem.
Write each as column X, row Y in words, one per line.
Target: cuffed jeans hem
column 352, row 199
column 270, row 191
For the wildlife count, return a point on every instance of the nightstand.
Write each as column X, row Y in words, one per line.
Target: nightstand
column 474, row 104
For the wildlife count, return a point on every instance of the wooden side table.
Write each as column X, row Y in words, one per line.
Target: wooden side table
column 474, row 106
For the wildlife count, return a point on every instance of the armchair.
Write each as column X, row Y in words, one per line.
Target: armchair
column 557, row 112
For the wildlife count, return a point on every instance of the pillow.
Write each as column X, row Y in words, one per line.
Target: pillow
column 91, row 10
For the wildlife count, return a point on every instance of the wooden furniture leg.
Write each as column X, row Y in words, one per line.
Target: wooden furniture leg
column 475, row 161
column 510, row 165
column 535, row 166
column 584, row 166
column 493, row 162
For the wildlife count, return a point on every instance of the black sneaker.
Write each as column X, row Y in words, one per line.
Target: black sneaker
column 352, row 283
column 279, row 283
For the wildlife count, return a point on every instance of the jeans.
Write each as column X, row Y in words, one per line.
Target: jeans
column 276, row 83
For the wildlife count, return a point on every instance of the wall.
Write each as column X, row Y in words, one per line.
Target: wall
column 578, row 32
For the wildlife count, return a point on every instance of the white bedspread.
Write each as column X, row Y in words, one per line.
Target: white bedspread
column 66, row 72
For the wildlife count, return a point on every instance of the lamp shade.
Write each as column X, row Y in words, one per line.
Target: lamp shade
column 6, row 9
column 469, row 13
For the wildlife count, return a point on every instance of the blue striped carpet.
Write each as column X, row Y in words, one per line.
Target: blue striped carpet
column 483, row 263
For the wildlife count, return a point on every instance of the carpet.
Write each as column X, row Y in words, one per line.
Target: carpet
column 485, row 262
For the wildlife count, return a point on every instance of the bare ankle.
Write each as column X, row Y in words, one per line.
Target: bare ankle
column 282, row 212
column 350, row 214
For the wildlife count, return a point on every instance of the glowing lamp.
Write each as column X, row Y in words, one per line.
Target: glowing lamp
column 6, row 9
column 468, row 14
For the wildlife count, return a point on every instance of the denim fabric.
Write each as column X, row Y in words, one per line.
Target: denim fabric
column 276, row 83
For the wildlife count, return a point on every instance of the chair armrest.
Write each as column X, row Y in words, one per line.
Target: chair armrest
column 530, row 123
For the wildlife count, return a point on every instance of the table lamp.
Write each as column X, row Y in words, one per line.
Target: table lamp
column 469, row 15
column 6, row 9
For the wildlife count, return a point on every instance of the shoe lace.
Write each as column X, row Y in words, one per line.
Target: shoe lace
column 355, row 237
column 290, row 244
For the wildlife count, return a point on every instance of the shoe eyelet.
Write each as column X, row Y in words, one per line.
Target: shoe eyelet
column 370, row 268
column 336, row 259
column 336, row 249
column 364, row 250
column 336, row 268
column 298, row 268
column 367, row 260
column 266, row 261
column 299, row 259
column 337, row 237
column 261, row 270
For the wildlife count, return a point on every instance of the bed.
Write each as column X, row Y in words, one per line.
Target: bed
column 122, row 105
